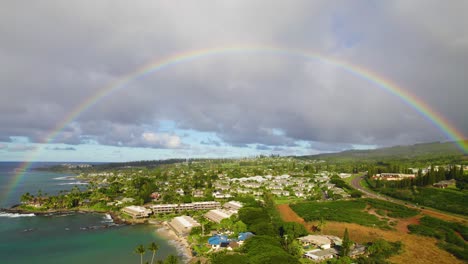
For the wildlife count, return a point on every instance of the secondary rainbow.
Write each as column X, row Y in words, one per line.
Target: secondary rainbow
column 450, row 131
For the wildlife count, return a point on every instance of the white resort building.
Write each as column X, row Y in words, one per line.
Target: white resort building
column 182, row 225
column 137, row 211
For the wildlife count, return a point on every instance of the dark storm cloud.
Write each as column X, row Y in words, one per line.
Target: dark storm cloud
column 54, row 55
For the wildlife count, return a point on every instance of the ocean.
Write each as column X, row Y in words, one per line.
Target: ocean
column 70, row 238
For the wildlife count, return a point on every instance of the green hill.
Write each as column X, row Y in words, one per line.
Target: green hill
column 425, row 151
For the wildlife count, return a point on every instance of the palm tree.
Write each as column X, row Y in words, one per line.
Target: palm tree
column 171, row 259
column 153, row 247
column 140, row 250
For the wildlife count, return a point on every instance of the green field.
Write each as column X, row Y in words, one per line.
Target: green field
column 443, row 199
column 340, row 211
column 352, row 211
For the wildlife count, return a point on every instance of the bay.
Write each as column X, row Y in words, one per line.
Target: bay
column 72, row 238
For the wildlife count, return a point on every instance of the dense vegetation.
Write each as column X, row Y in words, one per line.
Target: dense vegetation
column 451, row 236
column 340, row 211
column 443, row 199
column 352, row 211
column 274, row 241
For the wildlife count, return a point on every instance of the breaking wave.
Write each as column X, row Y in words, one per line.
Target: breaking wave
column 15, row 215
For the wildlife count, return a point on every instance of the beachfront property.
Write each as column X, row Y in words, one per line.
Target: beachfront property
column 197, row 206
column 182, row 225
column 136, row 211
column 393, row 176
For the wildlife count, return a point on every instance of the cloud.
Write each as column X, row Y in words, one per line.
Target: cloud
column 21, row 148
column 211, row 142
column 243, row 98
column 160, row 140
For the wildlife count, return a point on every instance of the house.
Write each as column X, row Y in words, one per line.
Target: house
column 182, row 225
column 319, row 255
column 344, row 175
column 220, row 195
column 243, row 236
column 218, row 241
column 137, row 211
column 198, row 193
column 180, row 192
column 125, row 201
column 357, row 250
column 444, row 184
column 322, row 241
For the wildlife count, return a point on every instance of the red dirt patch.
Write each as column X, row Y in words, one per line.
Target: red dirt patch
column 402, row 225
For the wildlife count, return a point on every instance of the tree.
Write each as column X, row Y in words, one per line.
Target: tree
column 346, row 244
column 140, row 250
column 239, row 227
column 171, row 259
column 226, row 224
column 321, row 224
column 153, row 247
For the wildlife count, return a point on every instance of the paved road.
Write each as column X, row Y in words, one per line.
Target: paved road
column 356, row 183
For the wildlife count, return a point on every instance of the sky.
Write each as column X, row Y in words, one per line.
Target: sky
column 56, row 55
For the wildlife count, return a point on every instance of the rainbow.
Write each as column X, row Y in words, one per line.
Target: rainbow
column 450, row 131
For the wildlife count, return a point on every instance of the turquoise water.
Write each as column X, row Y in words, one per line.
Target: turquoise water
column 74, row 238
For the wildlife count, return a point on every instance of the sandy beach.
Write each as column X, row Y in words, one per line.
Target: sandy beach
column 179, row 242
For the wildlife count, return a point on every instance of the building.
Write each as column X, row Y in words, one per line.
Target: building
column 344, row 175
column 164, row 208
column 182, row 225
column 319, row 255
column 197, row 206
column 217, row 215
column 393, row 176
column 323, row 242
column 244, row 236
column 137, row 211
column 444, row 184
column 206, row 205
column 233, row 205
column 218, row 241
column 357, row 250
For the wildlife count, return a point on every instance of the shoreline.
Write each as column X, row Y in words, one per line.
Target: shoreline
column 179, row 242
column 115, row 217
